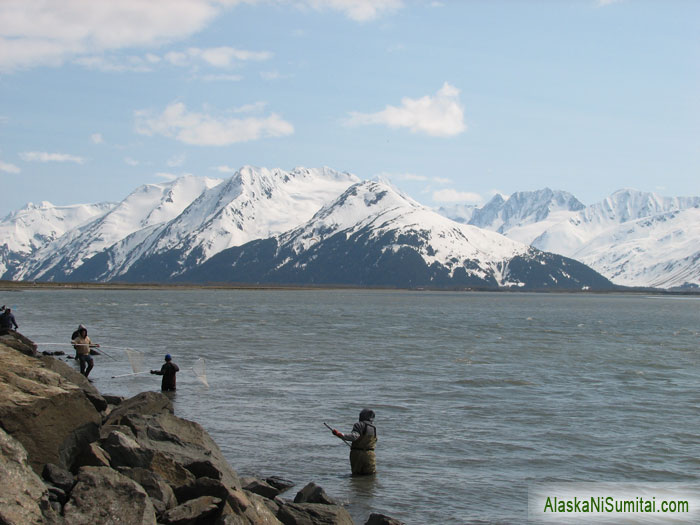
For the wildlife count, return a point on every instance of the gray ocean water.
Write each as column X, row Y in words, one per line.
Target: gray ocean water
column 477, row 395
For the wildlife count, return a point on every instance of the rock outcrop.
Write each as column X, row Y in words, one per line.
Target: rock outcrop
column 108, row 460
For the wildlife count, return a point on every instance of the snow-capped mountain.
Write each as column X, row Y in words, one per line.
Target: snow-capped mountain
column 25, row 231
column 146, row 207
column 633, row 238
column 374, row 235
column 254, row 203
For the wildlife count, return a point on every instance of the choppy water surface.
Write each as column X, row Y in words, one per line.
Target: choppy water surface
column 477, row 395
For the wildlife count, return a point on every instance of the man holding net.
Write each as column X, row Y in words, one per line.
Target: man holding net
column 168, row 371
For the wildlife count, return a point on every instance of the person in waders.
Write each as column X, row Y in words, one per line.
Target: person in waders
column 363, row 437
column 168, row 371
column 83, row 345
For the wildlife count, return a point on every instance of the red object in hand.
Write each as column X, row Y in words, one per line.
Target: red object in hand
column 336, row 433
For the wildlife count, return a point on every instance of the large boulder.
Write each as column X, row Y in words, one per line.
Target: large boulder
column 312, row 493
column 103, row 495
column 144, row 404
column 193, row 512
column 245, row 508
column 19, row 342
column 125, row 451
column 313, row 514
column 156, row 487
column 24, row 499
column 74, row 376
column 48, row 414
column 185, row 442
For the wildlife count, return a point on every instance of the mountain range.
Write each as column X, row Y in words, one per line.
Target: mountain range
column 320, row 226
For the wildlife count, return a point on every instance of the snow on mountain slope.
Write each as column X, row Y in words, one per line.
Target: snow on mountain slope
column 523, row 208
column 254, row 203
column 634, row 238
column 27, row 230
column 373, row 235
column 147, row 206
column 381, row 208
column 662, row 250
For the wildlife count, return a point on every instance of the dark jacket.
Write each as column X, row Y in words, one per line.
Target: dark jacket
column 168, row 371
column 7, row 321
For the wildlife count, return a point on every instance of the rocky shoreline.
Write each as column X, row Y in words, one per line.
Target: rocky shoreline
column 70, row 455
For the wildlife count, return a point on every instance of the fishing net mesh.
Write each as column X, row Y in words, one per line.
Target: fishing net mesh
column 135, row 360
column 200, row 370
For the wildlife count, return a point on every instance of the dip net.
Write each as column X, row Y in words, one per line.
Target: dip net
column 135, row 360
column 200, row 370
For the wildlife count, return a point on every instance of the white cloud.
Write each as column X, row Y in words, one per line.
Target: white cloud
column 50, row 33
column 41, row 156
column 96, row 138
column 452, row 195
column 166, row 176
column 220, row 57
column 603, row 3
column 224, row 169
column 9, row 168
column 358, row 10
column 131, row 162
column 413, row 177
column 441, row 115
column 206, row 130
column 36, row 32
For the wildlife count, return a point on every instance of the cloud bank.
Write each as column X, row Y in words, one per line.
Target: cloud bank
column 40, row 33
column 41, row 156
column 441, row 115
column 202, row 129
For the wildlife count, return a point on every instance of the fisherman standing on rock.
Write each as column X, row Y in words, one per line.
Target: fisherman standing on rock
column 364, row 439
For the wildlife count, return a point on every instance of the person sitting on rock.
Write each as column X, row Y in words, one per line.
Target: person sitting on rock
column 7, row 321
column 82, row 345
column 168, row 371
column 364, row 439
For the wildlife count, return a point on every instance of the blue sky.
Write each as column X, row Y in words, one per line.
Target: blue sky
column 451, row 100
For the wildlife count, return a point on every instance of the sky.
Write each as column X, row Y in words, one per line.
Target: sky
column 452, row 101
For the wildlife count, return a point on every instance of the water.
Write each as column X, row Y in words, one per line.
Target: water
column 477, row 395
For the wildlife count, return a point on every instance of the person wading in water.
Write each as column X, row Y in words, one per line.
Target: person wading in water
column 168, row 371
column 364, row 439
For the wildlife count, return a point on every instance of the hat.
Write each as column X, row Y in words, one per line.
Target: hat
column 81, row 327
column 167, row 357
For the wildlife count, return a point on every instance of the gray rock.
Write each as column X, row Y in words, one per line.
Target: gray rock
column 91, row 456
column 312, row 493
column 260, row 487
column 113, row 400
column 381, row 519
column 58, row 476
column 23, row 498
column 72, row 375
column 57, row 494
column 201, row 487
column 185, row 442
column 125, row 452
column 155, row 485
column 20, row 343
column 313, row 514
column 193, row 512
column 145, row 404
column 48, row 414
column 174, row 474
column 280, row 484
column 102, row 495
column 246, row 508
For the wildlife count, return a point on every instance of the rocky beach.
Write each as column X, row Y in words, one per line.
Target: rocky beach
column 73, row 455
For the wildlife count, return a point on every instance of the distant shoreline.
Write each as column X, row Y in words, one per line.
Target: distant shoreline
column 38, row 285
